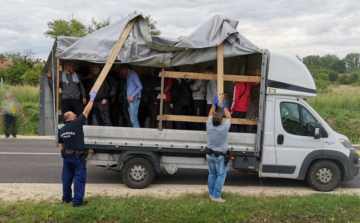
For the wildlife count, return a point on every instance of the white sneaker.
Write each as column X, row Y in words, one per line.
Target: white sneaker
column 220, row 200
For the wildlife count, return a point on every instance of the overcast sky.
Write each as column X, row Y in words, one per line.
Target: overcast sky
column 302, row 27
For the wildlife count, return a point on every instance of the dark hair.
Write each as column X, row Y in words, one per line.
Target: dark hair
column 216, row 119
column 210, row 69
column 126, row 65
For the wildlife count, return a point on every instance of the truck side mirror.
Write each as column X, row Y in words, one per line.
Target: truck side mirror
column 317, row 130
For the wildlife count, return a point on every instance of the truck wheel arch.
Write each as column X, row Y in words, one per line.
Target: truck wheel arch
column 151, row 156
column 340, row 159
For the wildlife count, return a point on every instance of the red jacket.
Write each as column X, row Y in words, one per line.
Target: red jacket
column 168, row 83
column 241, row 95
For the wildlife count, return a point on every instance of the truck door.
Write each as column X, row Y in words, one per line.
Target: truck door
column 294, row 136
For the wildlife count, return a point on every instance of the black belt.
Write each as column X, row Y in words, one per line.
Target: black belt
column 74, row 153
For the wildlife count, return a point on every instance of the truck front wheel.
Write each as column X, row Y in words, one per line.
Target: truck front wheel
column 138, row 173
column 324, row 176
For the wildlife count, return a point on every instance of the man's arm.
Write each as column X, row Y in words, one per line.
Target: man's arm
column 90, row 104
column 138, row 86
column 61, row 146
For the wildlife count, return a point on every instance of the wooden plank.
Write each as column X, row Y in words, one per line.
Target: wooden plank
column 58, row 76
column 113, row 55
column 184, row 118
column 227, row 77
column 220, row 69
column 256, row 72
column 161, row 99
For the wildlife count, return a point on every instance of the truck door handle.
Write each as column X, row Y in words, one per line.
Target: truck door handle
column 280, row 139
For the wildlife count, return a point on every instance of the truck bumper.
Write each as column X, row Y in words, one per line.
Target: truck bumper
column 353, row 171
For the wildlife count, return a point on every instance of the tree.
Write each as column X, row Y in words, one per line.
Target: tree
column 32, row 75
column 20, row 64
column 97, row 25
column 73, row 27
column 352, row 60
column 152, row 24
column 311, row 60
column 333, row 76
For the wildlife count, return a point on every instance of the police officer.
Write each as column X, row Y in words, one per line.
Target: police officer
column 72, row 146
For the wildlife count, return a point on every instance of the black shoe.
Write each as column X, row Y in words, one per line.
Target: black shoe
column 6, row 136
column 82, row 204
column 14, row 136
column 66, row 202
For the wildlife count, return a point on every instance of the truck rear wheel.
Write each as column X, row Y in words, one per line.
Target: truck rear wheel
column 138, row 173
column 324, row 176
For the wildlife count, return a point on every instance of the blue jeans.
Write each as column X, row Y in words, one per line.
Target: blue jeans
column 133, row 111
column 217, row 174
column 73, row 169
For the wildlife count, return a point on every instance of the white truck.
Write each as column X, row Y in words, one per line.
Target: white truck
column 292, row 140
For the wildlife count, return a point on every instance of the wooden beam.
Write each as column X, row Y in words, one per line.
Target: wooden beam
column 162, row 99
column 227, row 77
column 220, row 69
column 183, row 118
column 113, row 55
column 256, row 72
column 58, row 90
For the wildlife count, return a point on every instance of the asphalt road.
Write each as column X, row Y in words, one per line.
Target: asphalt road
column 39, row 161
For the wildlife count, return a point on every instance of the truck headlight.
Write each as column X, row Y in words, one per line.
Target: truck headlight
column 346, row 143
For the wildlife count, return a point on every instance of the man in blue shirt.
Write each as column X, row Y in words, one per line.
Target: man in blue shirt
column 133, row 92
column 72, row 147
column 217, row 141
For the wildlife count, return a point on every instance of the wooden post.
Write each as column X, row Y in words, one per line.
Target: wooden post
column 162, row 98
column 57, row 89
column 113, row 55
column 220, row 69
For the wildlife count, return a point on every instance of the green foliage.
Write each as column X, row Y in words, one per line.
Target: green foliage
column 311, row 60
column 333, row 76
column 339, row 106
column 352, row 60
column 152, row 24
column 22, row 64
column 191, row 208
column 73, row 27
column 32, row 75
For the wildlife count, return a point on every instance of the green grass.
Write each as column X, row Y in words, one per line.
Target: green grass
column 191, row 208
column 340, row 106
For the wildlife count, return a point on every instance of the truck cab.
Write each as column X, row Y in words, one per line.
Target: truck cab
column 298, row 143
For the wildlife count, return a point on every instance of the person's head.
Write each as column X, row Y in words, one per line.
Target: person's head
column 125, row 69
column 69, row 116
column 69, row 66
column 95, row 69
column 196, row 69
column 209, row 70
column 8, row 95
column 216, row 119
column 146, row 70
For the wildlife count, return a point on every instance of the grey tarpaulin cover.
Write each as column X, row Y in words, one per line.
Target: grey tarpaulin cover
column 140, row 48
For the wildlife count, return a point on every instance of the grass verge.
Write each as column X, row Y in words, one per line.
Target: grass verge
column 191, row 208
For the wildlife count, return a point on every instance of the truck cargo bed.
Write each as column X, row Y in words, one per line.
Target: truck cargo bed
column 153, row 138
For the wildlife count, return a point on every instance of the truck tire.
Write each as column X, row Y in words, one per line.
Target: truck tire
column 324, row 176
column 138, row 173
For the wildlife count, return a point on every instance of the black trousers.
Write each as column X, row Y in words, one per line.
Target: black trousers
column 240, row 128
column 74, row 105
column 10, row 125
column 199, row 110
column 102, row 113
column 153, row 111
column 167, row 110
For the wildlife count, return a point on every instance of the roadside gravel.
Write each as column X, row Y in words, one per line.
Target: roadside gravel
column 12, row 192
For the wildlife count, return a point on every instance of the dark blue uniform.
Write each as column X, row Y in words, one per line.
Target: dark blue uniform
column 72, row 137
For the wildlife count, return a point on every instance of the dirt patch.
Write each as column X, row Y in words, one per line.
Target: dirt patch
column 37, row 192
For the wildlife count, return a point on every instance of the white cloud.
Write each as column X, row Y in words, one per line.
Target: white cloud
column 302, row 27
